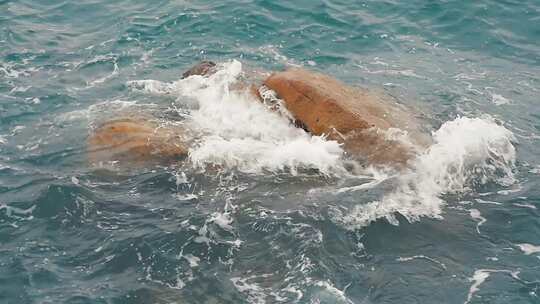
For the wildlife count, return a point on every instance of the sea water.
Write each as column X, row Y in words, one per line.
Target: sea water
column 260, row 211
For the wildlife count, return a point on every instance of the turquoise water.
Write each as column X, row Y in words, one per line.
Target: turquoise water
column 74, row 233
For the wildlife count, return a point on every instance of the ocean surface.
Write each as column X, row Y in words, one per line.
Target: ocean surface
column 261, row 212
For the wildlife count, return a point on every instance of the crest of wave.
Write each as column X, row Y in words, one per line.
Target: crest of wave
column 237, row 131
column 465, row 152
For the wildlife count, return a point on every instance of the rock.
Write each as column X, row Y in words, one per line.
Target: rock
column 363, row 121
column 203, row 68
column 358, row 118
column 136, row 141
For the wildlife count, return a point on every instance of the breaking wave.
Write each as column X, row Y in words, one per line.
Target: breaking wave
column 239, row 132
column 466, row 153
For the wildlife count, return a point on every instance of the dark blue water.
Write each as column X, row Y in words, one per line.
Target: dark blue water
column 74, row 233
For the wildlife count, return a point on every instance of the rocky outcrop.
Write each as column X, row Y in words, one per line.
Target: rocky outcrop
column 136, row 141
column 366, row 123
column 358, row 118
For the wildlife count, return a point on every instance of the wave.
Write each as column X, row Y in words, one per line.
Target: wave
column 238, row 132
column 466, row 153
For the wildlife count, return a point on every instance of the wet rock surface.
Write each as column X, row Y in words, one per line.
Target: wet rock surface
column 371, row 126
column 136, row 141
column 203, row 68
column 358, row 118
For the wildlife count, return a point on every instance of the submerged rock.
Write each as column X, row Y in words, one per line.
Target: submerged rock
column 138, row 140
column 203, row 68
column 366, row 123
column 135, row 141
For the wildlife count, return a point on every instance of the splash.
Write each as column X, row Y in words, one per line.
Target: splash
column 466, row 152
column 236, row 131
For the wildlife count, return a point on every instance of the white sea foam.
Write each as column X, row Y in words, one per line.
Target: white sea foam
column 10, row 70
column 18, row 213
column 481, row 275
column 106, row 77
column 273, row 51
column 96, row 110
column 423, row 257
column 254, row 293
column 499, row 99
column 476, row 215
column 237, row 131
column 376, row 179
column 528, row 249
column 481, row 201
column 478, row 278
column 337, row 296
column 192, row 260
column 525, row 206
column 465, row 152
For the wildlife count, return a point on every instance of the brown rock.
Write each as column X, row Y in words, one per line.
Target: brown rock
column 353, row 116
column 135, row 141
column 203, row 68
